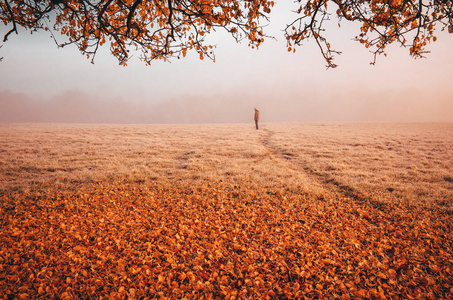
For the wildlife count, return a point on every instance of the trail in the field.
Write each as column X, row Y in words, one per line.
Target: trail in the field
column 299, row 162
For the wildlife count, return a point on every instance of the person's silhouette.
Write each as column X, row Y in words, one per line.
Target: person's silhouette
column 257, row 117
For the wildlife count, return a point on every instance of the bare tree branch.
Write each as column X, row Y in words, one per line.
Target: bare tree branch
column 14, row 29
column 170, row 15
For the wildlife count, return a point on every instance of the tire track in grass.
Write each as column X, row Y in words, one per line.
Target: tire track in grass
column 299, row 163
column 285, row 159
column 182, row 161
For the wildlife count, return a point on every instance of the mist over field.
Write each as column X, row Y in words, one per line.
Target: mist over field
column 74, row 106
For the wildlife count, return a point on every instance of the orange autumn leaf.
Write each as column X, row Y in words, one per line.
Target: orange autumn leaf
column 392, row 273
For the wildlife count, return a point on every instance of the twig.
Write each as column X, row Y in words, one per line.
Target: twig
column 14, row 29
column 170, row 16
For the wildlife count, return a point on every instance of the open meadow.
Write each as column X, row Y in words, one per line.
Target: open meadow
column 290, row 211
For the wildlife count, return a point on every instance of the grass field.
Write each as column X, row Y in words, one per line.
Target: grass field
column 290, row 211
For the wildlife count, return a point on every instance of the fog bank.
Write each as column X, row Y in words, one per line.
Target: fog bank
column 75, row 106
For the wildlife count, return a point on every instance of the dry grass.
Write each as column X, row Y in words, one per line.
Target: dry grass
column 404, row 162
column 291, row 211
column 408, row 162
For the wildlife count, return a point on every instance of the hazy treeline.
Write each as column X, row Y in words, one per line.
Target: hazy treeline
column 324, row 106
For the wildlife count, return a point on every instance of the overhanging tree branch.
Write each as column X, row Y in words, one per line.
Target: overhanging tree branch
column 162, row 29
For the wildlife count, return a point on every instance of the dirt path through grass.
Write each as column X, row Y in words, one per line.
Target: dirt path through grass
column 299, row 162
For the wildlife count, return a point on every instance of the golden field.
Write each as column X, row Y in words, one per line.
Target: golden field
column 290, row 211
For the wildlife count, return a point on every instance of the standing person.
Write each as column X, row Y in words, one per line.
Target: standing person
column 257, row 117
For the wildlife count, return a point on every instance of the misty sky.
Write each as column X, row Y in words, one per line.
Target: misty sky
column 40, row 83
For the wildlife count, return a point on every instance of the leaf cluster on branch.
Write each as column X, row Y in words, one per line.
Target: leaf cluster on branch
column 161, row 29
column 406, row 22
